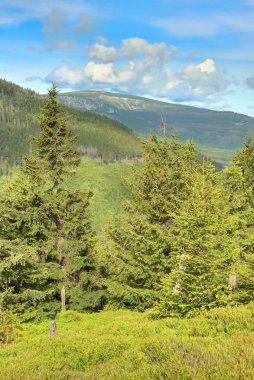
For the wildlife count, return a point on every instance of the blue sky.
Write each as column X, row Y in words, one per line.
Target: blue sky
column 192, row 52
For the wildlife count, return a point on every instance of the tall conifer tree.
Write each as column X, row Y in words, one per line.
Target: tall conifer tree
column 53, row 220
column 138, row 243
column 202, row 251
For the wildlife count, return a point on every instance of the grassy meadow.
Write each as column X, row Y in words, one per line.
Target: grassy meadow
column 106, row 182
column 124, row 345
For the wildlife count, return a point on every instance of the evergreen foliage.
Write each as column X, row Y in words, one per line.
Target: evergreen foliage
column 51, row 222
column 239, row 180
column 138, row 243
column 203, row 252
column 97, row 136
column 182, row 242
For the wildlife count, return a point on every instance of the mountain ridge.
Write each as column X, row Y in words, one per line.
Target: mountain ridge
column 217, row 134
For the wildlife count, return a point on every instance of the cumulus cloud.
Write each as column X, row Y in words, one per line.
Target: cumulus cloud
column 250, row 82
column 103, row 53
column 208, row 66
column 138, row 66
column 132, row 47
column 100, row 73
column 201, row 82
column 65, row 75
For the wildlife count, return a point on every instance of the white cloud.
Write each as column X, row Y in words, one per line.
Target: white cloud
column 103, row 53
column 201, row 82
column 67, row 76
column 144, row 68
column 40, row 8
column 100, row 72
column 53, row 14
column 208, row 66
column 133, row 47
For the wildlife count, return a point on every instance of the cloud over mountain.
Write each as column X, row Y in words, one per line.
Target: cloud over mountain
column 138, row 66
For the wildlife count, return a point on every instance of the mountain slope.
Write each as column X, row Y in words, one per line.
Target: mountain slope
column 216, row 133
column 98, row 136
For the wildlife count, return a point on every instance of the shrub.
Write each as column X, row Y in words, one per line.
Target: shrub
column 10, row 327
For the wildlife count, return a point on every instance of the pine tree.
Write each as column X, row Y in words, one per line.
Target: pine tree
column 203, row 252
column 138, row 244
column 53, row 221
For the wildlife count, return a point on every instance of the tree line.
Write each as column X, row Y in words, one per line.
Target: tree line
column 184, row 243
column 97, row 135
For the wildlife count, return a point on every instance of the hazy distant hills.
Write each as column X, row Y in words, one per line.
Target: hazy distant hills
column 98, row 136
column 216, row 133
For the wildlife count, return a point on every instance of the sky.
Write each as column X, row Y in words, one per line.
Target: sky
column 194, row 52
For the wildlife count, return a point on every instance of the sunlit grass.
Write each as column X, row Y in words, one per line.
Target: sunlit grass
column 127, row 345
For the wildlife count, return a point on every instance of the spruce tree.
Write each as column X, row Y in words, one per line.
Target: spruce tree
column 53, row 221
column 203, row 253
column 138, row 243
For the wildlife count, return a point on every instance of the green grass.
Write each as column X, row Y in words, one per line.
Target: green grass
column 221, row 156
column 124, row 345
column 106, row 182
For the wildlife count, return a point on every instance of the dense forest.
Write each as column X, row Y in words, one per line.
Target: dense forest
column 98, row 136
column 181, row 248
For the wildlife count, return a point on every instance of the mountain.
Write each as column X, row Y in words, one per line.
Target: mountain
column 97, row 135
column 217, row 134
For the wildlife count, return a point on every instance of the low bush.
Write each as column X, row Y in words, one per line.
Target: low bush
column 127, row 345
column 10, row 327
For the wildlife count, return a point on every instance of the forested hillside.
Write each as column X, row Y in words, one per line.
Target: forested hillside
column 217, row 134
column 97, row 136
column 178, row 247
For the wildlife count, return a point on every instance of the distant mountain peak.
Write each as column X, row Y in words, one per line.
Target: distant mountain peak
column 217, row 134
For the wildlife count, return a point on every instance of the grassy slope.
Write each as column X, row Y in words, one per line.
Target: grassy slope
column 124, row 345
column 106, row 182
column 217, row 134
